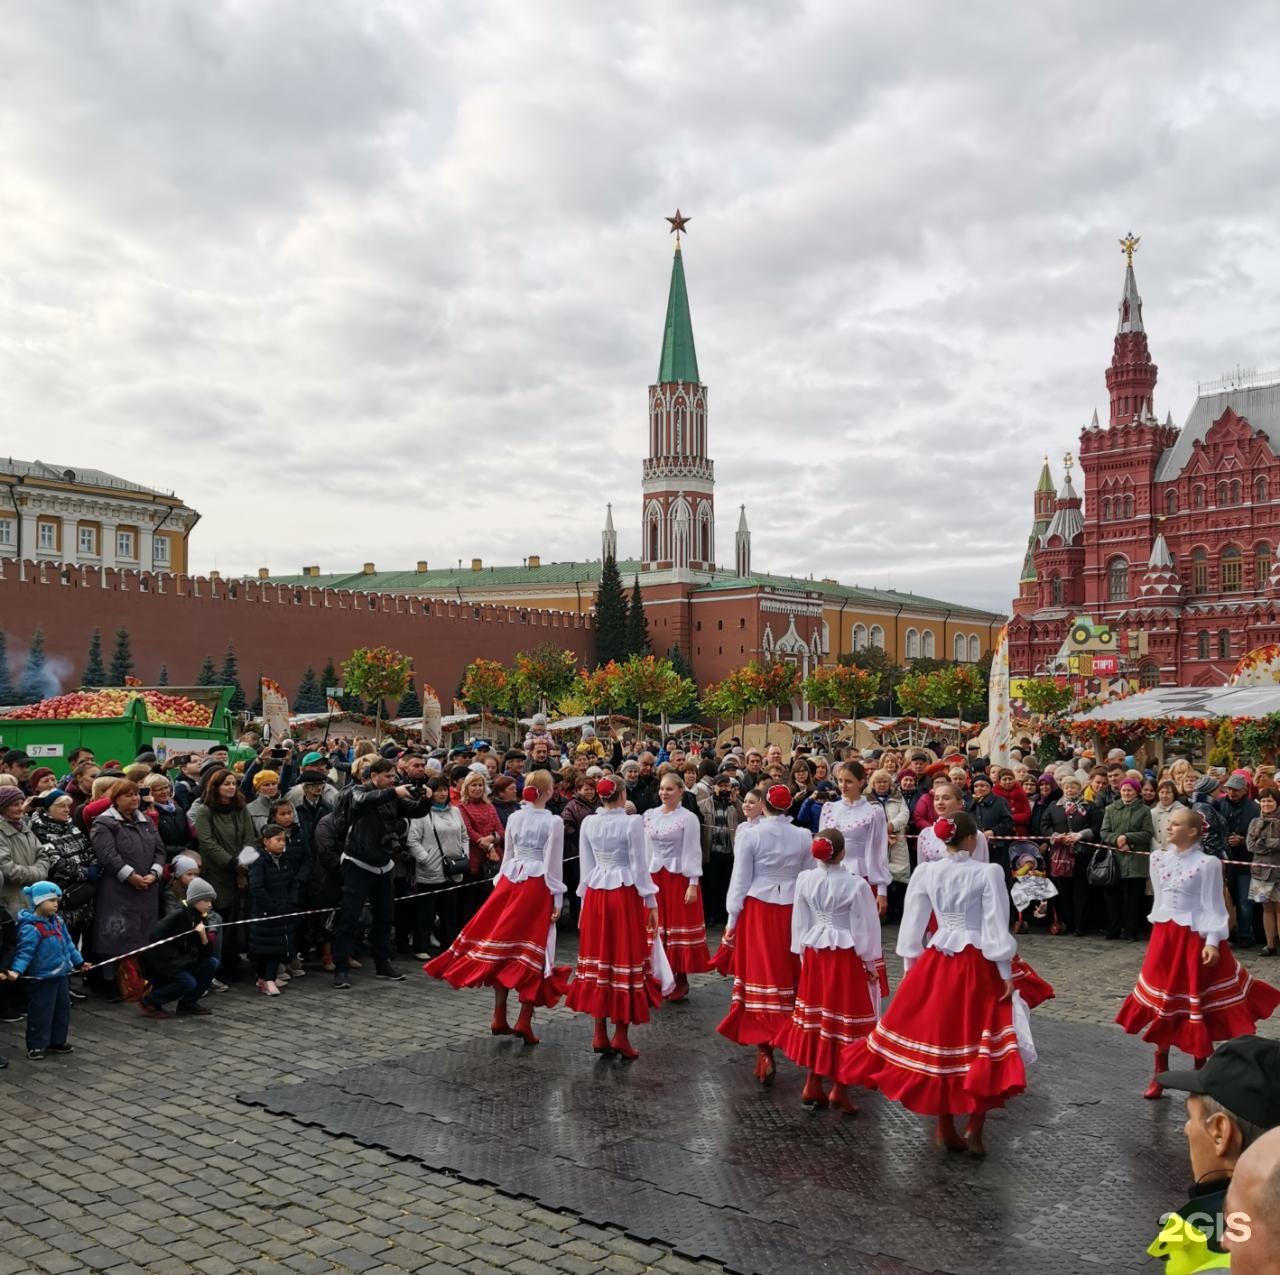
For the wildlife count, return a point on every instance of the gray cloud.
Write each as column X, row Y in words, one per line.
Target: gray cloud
column 354, row 273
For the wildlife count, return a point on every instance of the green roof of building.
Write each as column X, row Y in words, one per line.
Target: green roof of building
column 1046, row 478
column 679, row 362
column 443, row 582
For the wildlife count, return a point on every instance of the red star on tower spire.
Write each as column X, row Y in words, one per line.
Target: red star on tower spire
column 678, row 224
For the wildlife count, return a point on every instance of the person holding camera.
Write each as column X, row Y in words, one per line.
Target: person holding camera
column 374, row 823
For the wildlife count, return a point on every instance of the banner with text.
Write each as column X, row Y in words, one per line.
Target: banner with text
column 275, row 710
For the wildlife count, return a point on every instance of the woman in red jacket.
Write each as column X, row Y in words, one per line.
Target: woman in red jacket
column 1017, row 800
column 484, row 840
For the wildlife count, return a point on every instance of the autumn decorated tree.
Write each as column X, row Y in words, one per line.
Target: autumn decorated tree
column 1044, row 697
column 597, row 689
column 845, row 690
column 485, row 686
column 913, row 694
column 645, row 681
column 543, row 674
column 377, row 674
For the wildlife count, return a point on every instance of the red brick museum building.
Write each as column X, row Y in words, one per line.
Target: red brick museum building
column 1173, row 542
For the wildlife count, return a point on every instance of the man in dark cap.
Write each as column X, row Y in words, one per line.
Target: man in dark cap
column 1232, row 1100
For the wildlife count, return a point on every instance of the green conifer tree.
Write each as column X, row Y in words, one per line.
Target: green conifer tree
column 121, row 659
column 34, row 684
column 637, row 628
column 208, row 675
column 679, row 663
column 611, row 615
column 229, row 675
column 410, row 705
column 95, row 672
column 310, row 697
column 8, row 692
column 162, row 678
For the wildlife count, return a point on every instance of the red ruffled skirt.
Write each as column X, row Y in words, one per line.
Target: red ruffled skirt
column 833, row 1009
column 614, row 978
column 765, row 973
column 505, row 945
column 947, row 1043
column 1029, row 985
column 681, row 924
column 1180, row 1004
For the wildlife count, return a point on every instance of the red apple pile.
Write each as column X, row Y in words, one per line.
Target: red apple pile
column 171, row 710
column 176, row 710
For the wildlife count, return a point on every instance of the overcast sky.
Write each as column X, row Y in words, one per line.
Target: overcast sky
column 386, row 281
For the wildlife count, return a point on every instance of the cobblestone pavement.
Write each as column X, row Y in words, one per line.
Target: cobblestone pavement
column 133, row 1155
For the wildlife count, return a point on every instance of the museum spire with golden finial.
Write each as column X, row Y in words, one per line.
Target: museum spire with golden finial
column 1131, row 378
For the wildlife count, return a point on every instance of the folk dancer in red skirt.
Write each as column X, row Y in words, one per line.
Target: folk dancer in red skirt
column 835, row 930
column 956, row 1039
column 622, row 970
column 673, row 842
column 1033, row 989
column 768, row 856
column 866, row 839
column 1190, row 991
column 510, row 943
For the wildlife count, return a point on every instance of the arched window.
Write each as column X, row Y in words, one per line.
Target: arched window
column 1149, row 675
column 1261, row 491
column 1117, row 580
column 877, row 637
column 1128, row 506
column 653, row 521
column 1197, row 497
column 1224, row 644
column 1055, row 589
column 1170, row 507
column 959, row 647
column 1199, row 571
column 1261, row 564
column 1222, row 493
column 926, row 644
column 859, row 637
column 1202, row 644
column 975, row 648
column 1231, row 570
column 913, row 644
column 1235, row 491
column 1106, row 509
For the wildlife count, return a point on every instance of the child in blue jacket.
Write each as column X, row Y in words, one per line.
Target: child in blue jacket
column 46, row 954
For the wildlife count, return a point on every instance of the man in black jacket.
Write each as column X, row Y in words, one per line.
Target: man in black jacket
column 377, row 829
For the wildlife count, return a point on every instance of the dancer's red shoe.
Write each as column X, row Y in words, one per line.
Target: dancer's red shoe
column 1153, row 1090
column 973, row 1136
column 765, row 1070
column 600, row 1038
column 840, row 1100
column 681, row 990
column 499, row 1026
column 524, row 1025
column 814, row 1095
column 621, row 1045
column 945, row 1135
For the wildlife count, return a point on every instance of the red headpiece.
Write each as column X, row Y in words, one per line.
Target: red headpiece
column 606, row 789
column 779, row 797
column 822, row 849
column 944, row 829
column 530, row 793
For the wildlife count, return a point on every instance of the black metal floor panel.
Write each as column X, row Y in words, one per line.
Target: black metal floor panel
column 683, row 1148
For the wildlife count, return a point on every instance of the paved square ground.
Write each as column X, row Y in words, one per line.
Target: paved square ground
column 133, row 1154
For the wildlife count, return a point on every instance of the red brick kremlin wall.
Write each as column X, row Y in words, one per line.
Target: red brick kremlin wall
column 277, row 630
